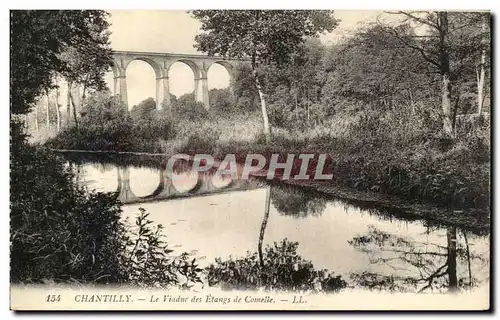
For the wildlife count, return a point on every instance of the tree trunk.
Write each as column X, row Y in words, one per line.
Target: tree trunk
column 444, row 61
column 446, row 105
column 308, row 113
column 47, row 108
column 68, row 105
column 58, row 110
column 481, row 77
column 267, row 129
column 36, row 117
column 74, row 108
column 468, row 258
column 83, row 91
column 451, row 235
column 264, row 224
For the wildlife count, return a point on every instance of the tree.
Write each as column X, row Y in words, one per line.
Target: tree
column 425, row 265
column 264, row 225
column 263, row 36
column 296, row 87
column 187, row 108
column 437, row 47
column 58, row 106
column 372, row 69
column 244, row 91
column 221, row 101
column 144, row 109
column 482, row 65
column 86, row 63
column 53, row 220
column 40, row 37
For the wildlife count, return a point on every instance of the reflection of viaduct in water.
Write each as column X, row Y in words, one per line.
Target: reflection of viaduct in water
column 167, row 190
column 161, row 63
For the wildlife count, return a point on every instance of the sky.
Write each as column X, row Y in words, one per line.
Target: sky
column 174, row 31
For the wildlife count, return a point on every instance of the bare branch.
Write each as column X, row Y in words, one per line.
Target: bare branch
column 418, row 19
column 410, row 45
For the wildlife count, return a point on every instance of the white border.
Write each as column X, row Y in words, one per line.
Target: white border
column 191, row 4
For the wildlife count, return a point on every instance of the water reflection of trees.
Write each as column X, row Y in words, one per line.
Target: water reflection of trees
column 282, row 269
column 417, row 266
column 291, row 201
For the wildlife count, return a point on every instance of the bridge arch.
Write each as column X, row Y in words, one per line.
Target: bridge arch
column 229, row 68
column 176, row 68
column 141, row 78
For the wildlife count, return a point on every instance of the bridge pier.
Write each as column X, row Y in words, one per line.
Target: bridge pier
column 125, row 192
column 162, row 93
column 201, row 91
column 120, row 88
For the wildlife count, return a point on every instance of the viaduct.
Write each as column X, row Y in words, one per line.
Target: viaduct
column 166, row 188
column 161, row 63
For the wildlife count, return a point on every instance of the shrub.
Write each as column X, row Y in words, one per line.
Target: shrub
column 61, row 232
column 148, row 262
column 187, row 108
column 58, row 231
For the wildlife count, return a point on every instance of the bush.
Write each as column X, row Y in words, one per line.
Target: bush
column 222, row 102
column 186, row 108
column 147, row 260
column 60, row 232
column 408, row 156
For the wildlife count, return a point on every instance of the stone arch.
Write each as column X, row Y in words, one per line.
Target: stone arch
column 190, row 63
column 160, row 74
column 198, row 76
column 157, row 68
column 229, row 68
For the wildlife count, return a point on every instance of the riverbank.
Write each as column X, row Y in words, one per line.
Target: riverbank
column 378, row 154
column 477, row 219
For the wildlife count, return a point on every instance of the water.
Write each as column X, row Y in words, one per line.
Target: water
column 214, row 217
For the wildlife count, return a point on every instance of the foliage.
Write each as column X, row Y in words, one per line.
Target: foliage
column 39, row 37
column 187, row 108
column 264, row 35
column 143, row 110
column 61, row 232
column 105, row 125
column 244, row 90
column 86, row 63
column 221, row 102
column 283, row 270
column 148, row 262
column 418, row 162
column 294, row 89
column 58, row 231
column 267, row 37
column 373, row 69
column 293, row 202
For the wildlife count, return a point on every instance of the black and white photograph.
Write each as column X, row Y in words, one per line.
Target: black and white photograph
column 250, row 160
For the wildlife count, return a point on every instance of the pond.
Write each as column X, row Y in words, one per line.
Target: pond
column 215, row 217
